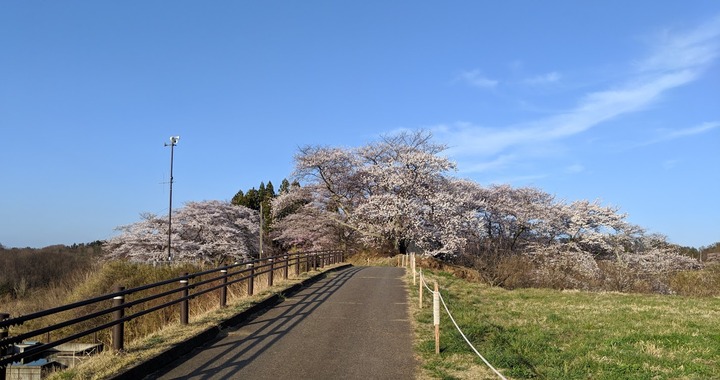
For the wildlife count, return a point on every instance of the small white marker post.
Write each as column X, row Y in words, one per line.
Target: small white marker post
column 420, row 290
column 436, row 317
column 412, row 266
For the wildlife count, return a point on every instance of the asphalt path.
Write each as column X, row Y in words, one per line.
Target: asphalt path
column 353, row 324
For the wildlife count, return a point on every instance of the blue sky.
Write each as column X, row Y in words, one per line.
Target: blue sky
column 612, row 100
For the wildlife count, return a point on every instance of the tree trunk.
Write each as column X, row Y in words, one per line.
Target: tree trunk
column 402, row 246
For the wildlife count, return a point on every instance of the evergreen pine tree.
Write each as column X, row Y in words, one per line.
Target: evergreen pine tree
column 239, row 198
column 261, row 193
column 269, row 191
column 252, row 199
column 284, row 186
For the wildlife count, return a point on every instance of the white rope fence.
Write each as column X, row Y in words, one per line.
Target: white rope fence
column 437, row 299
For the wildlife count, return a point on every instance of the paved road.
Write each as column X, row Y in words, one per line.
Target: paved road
column 351, row 325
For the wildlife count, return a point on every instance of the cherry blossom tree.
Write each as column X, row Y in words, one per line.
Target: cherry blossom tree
column 391, row 193
column 208, row 232
column 514, row 217
column 399, row 192
column 302, row 222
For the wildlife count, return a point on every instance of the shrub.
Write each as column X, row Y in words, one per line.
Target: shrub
column 619, row 277
column 703, row 283
column 563, row 267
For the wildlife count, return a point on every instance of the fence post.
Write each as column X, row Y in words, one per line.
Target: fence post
column 297, row 264
column 436, row 317
column 270, row 274
column 4, row 331
column 285, row 268
column 251, row 279
column 420, row 303
column 184, row 305
column 223, row 290
column 118, row 331
column 412, row 265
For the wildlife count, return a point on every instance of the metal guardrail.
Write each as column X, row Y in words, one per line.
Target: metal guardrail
column 190, row 286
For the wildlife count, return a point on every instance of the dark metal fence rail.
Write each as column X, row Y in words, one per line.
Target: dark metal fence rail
column 225, row 276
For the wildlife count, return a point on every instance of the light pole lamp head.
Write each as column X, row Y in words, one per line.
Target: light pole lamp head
column 174, row 139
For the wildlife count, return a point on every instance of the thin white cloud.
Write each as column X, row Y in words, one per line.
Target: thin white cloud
column 476, row 79
column 523, row 179
column 495, row 164
column 686, row 132
column 675, row 60
column 702, row 128
column 543, row 79
column 670, row 164
column 681, row 51
column 576, row 168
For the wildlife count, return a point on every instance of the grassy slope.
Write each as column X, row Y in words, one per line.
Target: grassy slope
column 546, row 334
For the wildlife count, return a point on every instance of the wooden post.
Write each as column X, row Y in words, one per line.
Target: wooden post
column 436, row 317
column 251, row 279
column 297, row 264
column 420, row 302
column 4, row 332
column 185, row 304
column 223, row 290
column 285, row 268
column 118, row 331
column 412, row 266
column 271, row 273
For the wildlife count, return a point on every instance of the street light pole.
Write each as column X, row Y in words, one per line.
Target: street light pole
column 173, row 141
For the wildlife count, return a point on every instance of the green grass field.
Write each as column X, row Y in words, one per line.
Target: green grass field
column 547, row 334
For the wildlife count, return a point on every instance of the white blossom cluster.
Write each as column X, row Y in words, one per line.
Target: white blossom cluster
column 566, row 264
column 398, row 192
column 209, row 232
column 391, row 193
